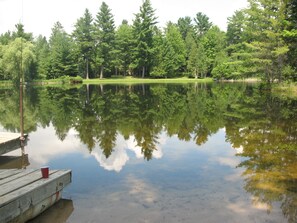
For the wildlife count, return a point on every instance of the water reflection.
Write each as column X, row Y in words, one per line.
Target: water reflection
column 58, row 213
column 185, row 131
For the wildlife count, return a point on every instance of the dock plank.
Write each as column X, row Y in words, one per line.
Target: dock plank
column 8, row 173
column 31, row 199
column 15, row 176
column 23, row 180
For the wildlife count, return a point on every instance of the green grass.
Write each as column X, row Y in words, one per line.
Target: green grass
column 133, row 80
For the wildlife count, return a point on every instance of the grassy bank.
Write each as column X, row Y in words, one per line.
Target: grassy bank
column 115, row 80
column 133, row 80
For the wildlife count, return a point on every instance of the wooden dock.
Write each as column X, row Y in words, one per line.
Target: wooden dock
column 10, row 141
column 24, row 194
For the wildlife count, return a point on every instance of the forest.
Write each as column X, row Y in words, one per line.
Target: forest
column 260, row 41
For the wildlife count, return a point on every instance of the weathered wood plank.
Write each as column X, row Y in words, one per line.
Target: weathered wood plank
column 23, row 180
column 26, row 202
column 15, row 176
column 8, row 173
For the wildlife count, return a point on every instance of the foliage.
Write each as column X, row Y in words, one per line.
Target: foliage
column 124, row 45
column 260, row 42
column 104, row 39
column 143, row 36
column 84, row 42
column 17, row 58
column 60, row 53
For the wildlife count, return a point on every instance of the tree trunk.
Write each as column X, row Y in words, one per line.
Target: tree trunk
column 143, row 72
column 116, row 71
column 87, row 69
column 101, row 72
column 196, row 74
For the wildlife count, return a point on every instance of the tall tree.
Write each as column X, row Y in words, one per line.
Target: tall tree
column 264, row 30
column 197, row 59
column 124, row 45
column 290, row 35
column 83, row 38
column 174, row 56
column 202, row 24
column 42, row 56
column 235, row 27
column 104, row 38
column 20, row 32
column 143, row 33
column 214, row 44
column 185, row 26
column 61, row 55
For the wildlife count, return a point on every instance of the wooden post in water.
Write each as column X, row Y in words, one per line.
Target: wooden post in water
column 22, row 138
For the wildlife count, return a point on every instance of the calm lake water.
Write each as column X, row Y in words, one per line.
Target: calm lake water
column 163, row 153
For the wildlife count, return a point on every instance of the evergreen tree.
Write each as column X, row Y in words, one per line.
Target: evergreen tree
column 83, row 38
column 197, row 60
column 202, row 24
column 264, row 30
column 174, row 56
column 124, row 45
column 61, row 54
column 104, row 38
column 143, row 35
column 20, row 33
column 158, row 69
column 290, row 36
column 185, row 26
column 235, row 28
column 213, row 43
column 42, row 56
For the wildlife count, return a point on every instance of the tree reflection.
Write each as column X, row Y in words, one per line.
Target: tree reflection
column 265, row 129
column 262, row 125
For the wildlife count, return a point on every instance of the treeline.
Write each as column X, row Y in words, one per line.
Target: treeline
column 261, row 41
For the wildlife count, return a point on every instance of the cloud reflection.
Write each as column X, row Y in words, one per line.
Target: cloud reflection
column 119, row 157
column 43, row 146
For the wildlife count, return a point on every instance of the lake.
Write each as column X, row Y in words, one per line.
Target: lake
column 163, row 153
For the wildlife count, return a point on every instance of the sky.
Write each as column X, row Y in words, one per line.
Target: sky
column 39, row 16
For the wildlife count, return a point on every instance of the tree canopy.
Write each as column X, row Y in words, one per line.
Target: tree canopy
column 260, row 41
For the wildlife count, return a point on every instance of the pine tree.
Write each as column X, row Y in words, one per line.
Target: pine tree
column 264, row 30
column 185, row 26
column 83, row 38
column 174, row 55
column 290, row 35
column 61, row 61
column 143, row 35
column 104, row 38
column 124, row 45
column 42, row 56
column 202, row 24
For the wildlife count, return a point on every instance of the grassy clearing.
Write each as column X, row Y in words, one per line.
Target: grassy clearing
column 132, row 80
